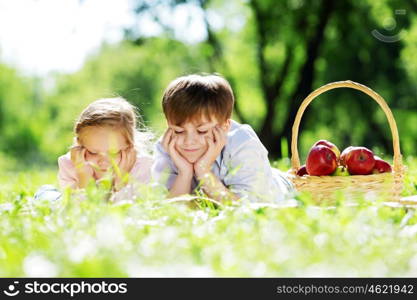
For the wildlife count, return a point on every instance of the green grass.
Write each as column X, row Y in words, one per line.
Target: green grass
column 152, row 237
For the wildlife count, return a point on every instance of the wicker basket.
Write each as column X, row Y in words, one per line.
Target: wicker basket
column 388, row 185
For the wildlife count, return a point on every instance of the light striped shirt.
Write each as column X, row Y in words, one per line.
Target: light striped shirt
column 242, row 166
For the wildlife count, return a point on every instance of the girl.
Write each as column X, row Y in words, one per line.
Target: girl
column 106, row 142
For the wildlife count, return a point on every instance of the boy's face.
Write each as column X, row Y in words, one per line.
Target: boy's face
column 192, row 143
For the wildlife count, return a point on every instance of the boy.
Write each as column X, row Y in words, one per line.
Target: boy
column 203, row 147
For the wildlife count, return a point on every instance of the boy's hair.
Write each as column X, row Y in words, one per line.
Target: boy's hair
column 193, row 96
column 116, row 113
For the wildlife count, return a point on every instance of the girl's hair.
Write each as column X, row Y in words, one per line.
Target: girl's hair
column 117, row 113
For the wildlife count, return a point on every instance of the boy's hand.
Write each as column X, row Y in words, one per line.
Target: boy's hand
column 168, row 142
column 83, row 169
column 215, row 146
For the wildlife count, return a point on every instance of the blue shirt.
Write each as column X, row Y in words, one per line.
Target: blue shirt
column 242, row 166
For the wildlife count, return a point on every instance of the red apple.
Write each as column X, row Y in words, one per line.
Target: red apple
column 381, row 166
column 360, row 161
column 344, row 155
column 321, row 161
column 330, row 145
column 302, row 171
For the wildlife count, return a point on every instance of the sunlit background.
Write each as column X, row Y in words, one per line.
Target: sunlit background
column 43, row 36
column 58, row 56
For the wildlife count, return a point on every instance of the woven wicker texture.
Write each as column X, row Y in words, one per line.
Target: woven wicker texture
column 324, row 187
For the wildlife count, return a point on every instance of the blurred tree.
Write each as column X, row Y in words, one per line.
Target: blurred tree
column 299, row 46
column 273, row 52
column 19, row 134
column 136, row 71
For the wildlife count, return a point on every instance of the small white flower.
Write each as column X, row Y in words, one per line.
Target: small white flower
column 36, row 265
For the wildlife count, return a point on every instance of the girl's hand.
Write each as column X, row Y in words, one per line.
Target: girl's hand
column 169, row 142
column 83, row 169
column 127, row 161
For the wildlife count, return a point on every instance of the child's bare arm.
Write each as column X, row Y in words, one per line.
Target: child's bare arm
column 215, row 189
column 211, row 185
column 182, row 183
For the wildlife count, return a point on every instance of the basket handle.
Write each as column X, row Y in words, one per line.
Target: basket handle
column 295, row 159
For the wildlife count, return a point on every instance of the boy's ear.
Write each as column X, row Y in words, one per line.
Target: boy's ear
column 226, row 125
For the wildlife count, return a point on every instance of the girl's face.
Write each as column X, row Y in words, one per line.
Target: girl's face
column 192, row 143
column 102, row 144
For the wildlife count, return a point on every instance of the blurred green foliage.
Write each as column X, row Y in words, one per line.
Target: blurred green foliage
column 137, row 73
column 278, row 52
column 20, row 133
column 296, row 45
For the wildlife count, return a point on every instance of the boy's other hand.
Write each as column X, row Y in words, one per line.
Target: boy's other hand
column 215, row 146
column 169, row 142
